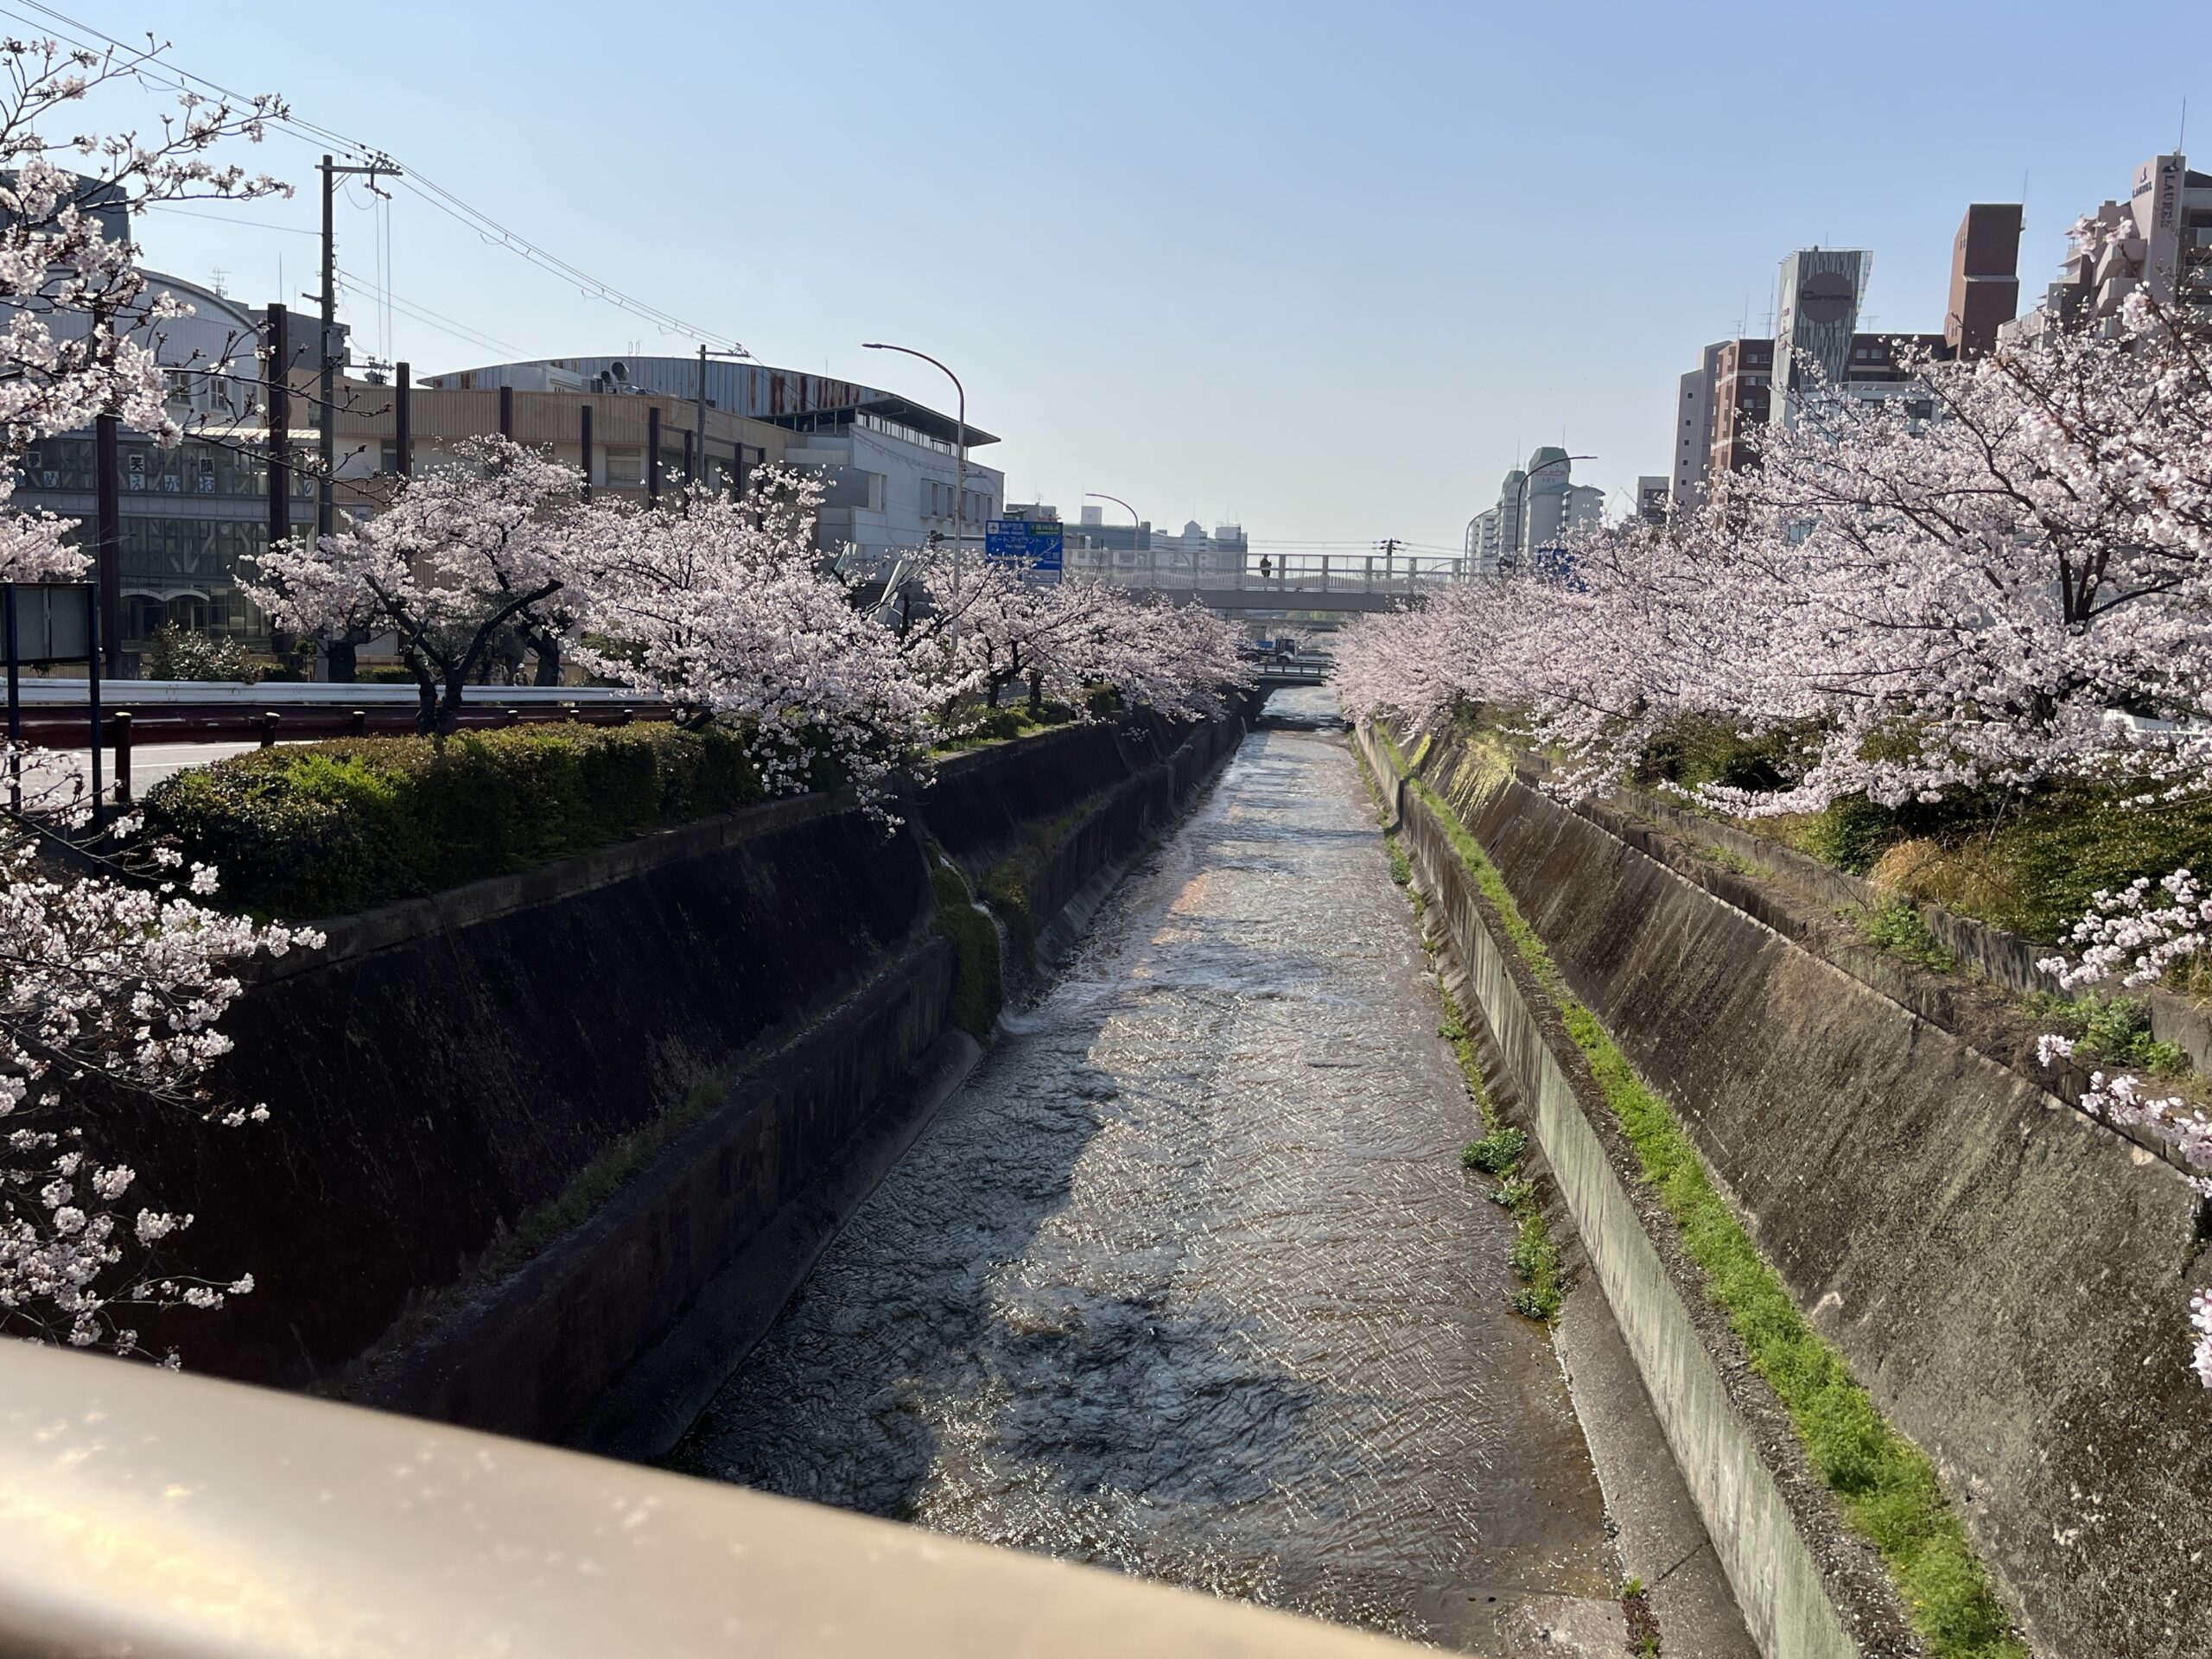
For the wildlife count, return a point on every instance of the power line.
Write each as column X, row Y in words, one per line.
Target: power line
column 415, row 310
column 489, row 229
column 225, row 218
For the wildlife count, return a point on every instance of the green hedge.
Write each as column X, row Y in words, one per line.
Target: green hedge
column 321, row 829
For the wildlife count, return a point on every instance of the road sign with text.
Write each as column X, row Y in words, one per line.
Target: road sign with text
column 1027, row 541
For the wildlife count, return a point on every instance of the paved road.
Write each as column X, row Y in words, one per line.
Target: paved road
column 149, row 762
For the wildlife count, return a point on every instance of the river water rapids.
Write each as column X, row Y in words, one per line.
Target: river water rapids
column 1187, row 1280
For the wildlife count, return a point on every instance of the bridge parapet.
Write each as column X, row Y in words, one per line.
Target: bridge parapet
column 167, row 1516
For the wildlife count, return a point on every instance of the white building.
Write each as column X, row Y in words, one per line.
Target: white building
column 1694, row 416
column 890, row 466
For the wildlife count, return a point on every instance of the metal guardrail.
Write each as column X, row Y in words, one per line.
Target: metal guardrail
column 55, row 714
column 150, row 694
column 169, row 1517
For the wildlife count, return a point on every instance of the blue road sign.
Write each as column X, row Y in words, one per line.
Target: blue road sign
column 1034, row 545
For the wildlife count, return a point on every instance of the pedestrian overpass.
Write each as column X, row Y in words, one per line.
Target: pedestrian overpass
column 1268, row 585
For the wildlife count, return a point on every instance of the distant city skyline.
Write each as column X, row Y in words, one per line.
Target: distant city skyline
column 1193, row 262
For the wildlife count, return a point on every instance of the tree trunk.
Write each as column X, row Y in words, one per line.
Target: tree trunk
column 341, row 657
column 1036, row 696
column 447, row 719
column 549, row 663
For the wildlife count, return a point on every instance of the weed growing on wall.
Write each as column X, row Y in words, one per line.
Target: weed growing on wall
column 976, row 984
column 1898, row 929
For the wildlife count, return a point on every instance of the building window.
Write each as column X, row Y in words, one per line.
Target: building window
column 626, row 467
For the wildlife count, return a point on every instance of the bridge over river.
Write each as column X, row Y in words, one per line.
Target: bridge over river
column 1305, row 584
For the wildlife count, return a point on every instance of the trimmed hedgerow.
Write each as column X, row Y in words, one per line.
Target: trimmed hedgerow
column 1885, row 1484
column 321, row 829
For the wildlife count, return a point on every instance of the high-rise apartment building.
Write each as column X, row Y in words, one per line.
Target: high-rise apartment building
column 1740, row 386
column 2159, row 240
column 1692, row 460
column 1743, row 397
column 1985, row 278
column 1816, row 301
column 1537, row 507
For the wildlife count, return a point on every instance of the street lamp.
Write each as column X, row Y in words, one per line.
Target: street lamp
column 959, row 475
column 1521, row 496
column 1136, row 524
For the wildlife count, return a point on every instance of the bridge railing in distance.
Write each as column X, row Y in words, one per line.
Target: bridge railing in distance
column 1289, row 573
column 163, row 1516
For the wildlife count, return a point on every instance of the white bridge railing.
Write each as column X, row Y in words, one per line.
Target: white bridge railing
column 1272, row 573
column 165, row 1517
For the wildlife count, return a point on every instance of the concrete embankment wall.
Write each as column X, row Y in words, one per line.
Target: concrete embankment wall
column 678, row 1063
column 1733, row 1458
column 2007, row 1278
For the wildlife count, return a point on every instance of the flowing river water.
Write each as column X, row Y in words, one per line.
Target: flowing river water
column 1187, row 1279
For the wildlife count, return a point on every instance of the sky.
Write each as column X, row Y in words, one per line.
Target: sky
column 1326, row 270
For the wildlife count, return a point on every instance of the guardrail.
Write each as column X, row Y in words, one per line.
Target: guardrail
column 57, row 714
column 166, row 1516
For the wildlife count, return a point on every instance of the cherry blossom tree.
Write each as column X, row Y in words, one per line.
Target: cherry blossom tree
column 483, row 542
column 1997, row 576
column 110, row 991
column 722, row 606
column 111, row 987
column 1068, row 638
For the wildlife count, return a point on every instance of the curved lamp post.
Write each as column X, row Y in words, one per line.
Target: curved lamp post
column 1521, row 496
column 960, row 473
column 1136, row 524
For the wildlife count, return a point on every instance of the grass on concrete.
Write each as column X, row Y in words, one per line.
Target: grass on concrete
column 1897, row 928
column 1885, row 1484
column 1535, row 1258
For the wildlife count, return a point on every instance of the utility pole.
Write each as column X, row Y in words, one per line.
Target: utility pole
column 108, row 529
column 1388, row 548
column 279, row 345
column 403, row 421
column 699, row 423
column 325, row 503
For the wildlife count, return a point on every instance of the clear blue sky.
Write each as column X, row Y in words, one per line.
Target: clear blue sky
column 1327, row 269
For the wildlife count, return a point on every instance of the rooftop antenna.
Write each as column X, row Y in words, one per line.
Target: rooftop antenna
column 221, row 277
column 2181, row 139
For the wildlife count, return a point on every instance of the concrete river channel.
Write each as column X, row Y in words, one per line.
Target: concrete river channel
column 1188, row 1281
